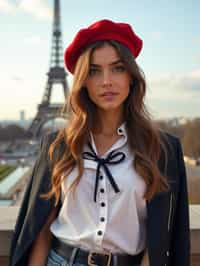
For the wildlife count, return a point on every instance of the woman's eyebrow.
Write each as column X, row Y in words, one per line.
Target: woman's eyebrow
column 111, row 64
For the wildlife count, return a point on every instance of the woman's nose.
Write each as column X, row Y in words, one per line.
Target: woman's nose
column 107, row 79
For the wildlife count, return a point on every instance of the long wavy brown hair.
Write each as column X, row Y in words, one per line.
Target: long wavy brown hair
column 144, row 137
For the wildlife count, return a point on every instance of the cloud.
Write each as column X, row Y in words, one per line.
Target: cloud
column 196, row 40
column 39, row 9
column 195, row 74
column 183, row 86
column 6, row 7
column 17, row 78
column 174, row 95
column 191, row 82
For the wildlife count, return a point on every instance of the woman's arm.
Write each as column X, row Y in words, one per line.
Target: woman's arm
column 41, row 245
column 145, row 259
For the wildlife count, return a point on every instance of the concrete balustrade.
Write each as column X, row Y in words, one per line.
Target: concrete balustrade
column 8, row 217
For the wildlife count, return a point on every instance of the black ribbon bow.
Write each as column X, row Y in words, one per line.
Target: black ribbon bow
column 102, row 162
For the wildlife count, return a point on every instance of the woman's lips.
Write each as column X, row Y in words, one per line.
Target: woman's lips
column 109, row 95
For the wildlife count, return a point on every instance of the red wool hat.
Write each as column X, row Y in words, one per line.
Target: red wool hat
column 101, row 30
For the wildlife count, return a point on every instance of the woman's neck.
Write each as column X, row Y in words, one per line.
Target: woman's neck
column 107, row 123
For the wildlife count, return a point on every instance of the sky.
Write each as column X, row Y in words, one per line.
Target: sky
column 170, row 58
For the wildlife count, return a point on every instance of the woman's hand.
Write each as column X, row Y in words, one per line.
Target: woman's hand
column 42, row 243
column 145, row 259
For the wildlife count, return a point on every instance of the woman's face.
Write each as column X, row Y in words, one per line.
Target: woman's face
column 108, row 80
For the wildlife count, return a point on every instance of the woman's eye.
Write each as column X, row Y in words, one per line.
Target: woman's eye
column 119, row 69
column 93, row 72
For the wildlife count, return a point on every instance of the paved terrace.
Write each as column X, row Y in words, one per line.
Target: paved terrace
column 8, row 217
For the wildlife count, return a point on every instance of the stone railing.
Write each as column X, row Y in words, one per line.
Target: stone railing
column 8, row 217
column 195, row 234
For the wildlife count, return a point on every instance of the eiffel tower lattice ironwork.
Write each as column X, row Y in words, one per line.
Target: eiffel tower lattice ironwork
column 56, row 75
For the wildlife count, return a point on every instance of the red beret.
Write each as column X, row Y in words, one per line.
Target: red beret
column 101, row 30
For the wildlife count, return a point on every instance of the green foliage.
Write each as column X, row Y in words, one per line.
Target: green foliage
column 5, row 170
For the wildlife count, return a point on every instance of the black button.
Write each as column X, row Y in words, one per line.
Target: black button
column 99, row 233
column 101, row 177
column 102, row 190
column 103, row 204
column 102, row 219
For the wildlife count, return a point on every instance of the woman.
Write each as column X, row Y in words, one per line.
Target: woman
column 109, row 189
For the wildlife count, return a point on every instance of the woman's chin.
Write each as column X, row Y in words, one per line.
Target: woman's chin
column 109, row 107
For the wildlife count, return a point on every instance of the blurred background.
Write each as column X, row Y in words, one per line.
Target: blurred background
column 34, row 83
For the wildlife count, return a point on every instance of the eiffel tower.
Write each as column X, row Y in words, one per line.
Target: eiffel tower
column 56, row 75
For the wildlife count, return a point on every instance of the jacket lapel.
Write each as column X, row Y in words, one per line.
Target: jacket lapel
column 157, row 212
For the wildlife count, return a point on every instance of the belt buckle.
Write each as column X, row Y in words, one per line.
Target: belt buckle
column 91, row 262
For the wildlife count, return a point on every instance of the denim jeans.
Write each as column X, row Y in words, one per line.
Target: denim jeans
column 55, row 259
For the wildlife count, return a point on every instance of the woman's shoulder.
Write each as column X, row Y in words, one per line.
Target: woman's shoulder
column 49, row 137
column 58, row 148
column 169, row 138
column 172, row 145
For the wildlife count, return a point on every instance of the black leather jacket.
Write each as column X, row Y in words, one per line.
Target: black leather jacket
column 168, row 236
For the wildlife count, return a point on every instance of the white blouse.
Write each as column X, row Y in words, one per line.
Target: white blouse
column 117, row 220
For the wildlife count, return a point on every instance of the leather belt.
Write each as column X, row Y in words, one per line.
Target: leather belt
column 75, row 254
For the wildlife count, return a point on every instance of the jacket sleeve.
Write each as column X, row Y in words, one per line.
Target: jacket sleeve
column 181, row 233
column 28, row 203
